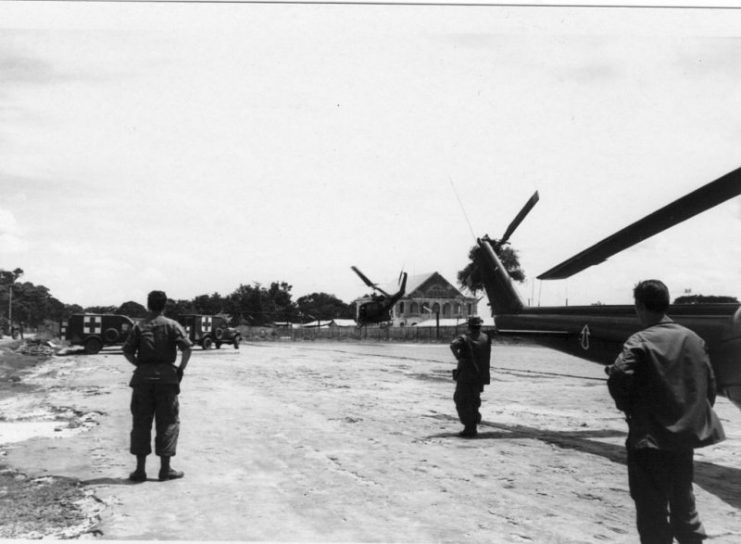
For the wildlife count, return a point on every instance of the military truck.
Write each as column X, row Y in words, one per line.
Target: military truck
column 96, row 330
column 209, row 330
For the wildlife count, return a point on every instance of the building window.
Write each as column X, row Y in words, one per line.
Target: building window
column 413, row 308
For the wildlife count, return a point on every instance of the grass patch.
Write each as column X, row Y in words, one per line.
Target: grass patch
column 38, row 507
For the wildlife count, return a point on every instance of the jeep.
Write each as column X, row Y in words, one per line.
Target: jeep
column 209, row 330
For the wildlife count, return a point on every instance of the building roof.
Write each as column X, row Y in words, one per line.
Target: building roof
column 330, row 323
column 315, row 324
column 344, row 323
column 417, row 281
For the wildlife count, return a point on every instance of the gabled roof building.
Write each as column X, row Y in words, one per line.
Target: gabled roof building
column 426, row 295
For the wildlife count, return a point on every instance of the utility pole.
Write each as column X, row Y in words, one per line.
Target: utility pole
column 13, row 276
column 425, row 306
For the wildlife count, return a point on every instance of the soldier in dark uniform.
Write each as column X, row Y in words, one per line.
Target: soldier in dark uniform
column 664, row 383
column 152, row 348
column 473, row 353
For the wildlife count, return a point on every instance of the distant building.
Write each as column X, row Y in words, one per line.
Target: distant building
column 329, row 323
column 426, row 295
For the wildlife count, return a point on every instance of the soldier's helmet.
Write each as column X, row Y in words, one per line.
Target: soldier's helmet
column 475, row 322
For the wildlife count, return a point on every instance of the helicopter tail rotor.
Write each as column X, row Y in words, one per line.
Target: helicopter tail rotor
column 402, row 283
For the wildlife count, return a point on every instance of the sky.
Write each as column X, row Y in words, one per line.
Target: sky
column 195, row 148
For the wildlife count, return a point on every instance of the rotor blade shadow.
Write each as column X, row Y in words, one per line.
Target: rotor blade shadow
column 722, row 481
column 109, row 481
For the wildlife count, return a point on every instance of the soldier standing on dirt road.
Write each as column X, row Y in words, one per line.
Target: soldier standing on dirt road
column 472, row 350
column 664, row 383
column 152, row 348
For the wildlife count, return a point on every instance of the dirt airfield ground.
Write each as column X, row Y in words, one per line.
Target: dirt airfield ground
column 340, row 442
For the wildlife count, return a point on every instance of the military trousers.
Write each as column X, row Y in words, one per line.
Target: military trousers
column 156, row 402
column 467, row 398
column 661, row 486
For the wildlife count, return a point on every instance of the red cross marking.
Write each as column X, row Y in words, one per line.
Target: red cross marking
column 206, row 324
column 92, row 324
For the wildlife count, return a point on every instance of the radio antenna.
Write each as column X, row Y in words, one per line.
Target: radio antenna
column 470, row 228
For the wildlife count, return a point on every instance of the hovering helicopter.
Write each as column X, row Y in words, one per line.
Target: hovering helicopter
column 597, row 333
column 378, row 309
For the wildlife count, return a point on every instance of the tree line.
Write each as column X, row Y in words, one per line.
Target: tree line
column 255, row 304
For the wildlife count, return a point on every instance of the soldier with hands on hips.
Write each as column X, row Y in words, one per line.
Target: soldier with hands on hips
column 152, row 348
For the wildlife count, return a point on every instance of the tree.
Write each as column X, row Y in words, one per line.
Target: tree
column 471, row 276
column 70, row 309
column 132, row 309
column 100, row 310
column 7, row 280
column 28, row 303
column 175, row 308
column 209, row 304
column 279, row 301
column 324, row 307
column 31, row 303
column 57, row 311
column 260, row 306
column 244, row 304
column 7, row 277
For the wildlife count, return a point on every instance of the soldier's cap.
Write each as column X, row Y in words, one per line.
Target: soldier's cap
column 475, row 322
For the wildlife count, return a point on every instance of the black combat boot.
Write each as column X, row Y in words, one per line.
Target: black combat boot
column 139, row 475
column 168, row 473
column 468, row 432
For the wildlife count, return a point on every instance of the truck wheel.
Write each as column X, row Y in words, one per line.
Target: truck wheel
column 219, row 333
column 207, row 342
column 93, row 345
column 110, row 335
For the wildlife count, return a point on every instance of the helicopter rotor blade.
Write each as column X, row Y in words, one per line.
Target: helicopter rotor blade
column 368, row 282
column 706, row 197
column 519, row 217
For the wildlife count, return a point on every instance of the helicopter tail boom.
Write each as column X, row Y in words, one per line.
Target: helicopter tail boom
column 501, row 292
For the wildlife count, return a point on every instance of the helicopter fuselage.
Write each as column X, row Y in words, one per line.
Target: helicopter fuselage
column 597, row 333
column 374, row 312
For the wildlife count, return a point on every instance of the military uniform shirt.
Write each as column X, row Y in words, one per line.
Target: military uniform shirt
column 154, row 342
column 664, row 383
column 474, row 357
